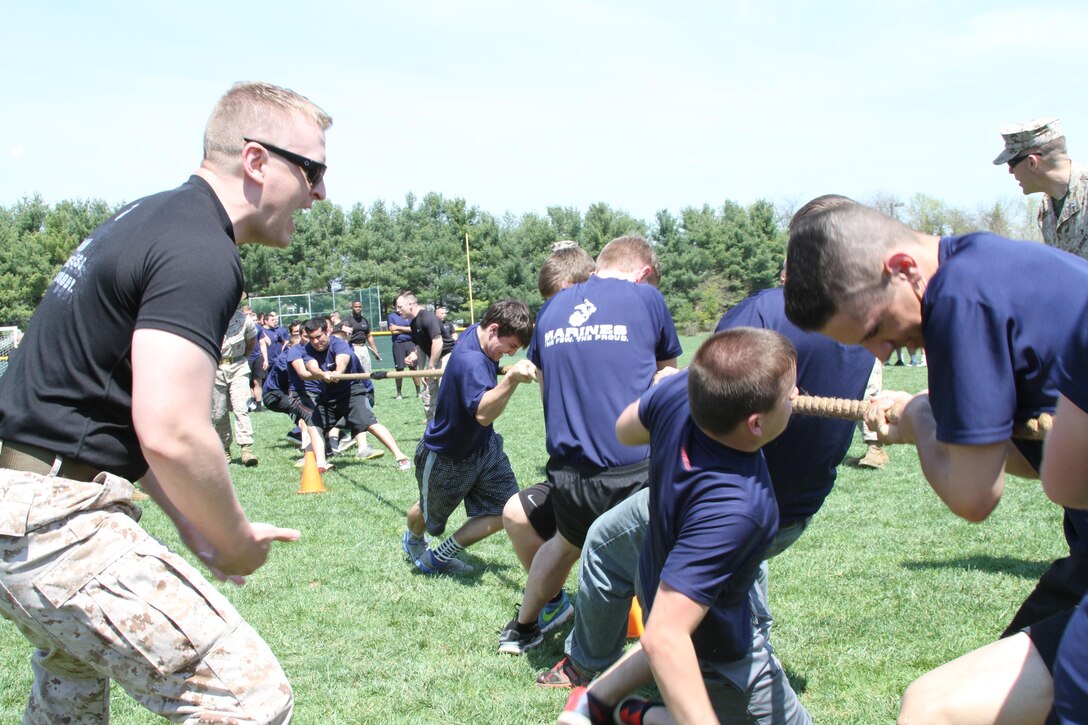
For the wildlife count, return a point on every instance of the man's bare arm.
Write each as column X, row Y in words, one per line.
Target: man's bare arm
column 173, row 424
column 629, row 429
column 668, row 646
column 494, row 401
column 969, row 479
column 1065, row 460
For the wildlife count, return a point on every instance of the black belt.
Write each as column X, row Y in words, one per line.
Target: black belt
column 32, row 459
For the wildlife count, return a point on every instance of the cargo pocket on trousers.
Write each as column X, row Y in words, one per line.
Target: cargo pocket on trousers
column 162, row 607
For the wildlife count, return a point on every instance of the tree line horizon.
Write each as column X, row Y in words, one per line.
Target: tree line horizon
column 711, row 257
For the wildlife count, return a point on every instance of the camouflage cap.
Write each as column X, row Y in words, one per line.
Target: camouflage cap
column 1021, row 137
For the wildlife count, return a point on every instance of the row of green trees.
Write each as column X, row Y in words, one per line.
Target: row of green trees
column 711, row 257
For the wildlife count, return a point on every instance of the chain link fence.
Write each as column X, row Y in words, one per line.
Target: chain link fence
column 9, row 340
column 299, row 308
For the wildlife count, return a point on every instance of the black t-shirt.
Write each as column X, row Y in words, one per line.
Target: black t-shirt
column 360, row 329
column 166, row 262
column 425, row 327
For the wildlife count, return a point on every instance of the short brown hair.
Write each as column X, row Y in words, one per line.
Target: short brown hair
column 819, row 204
column 629, row 254
column 736, row 373
column 834, row 262
column 564, row 266
column 512, row 317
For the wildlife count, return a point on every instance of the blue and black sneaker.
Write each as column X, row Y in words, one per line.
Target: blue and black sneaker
column 555, row 613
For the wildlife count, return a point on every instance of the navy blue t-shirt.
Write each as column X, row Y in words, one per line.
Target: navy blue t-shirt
column 804, row 460
column 394, row 319
column 455, row 432
column 307, row 387
column 598, row 343
column 1071, row 669
column 277, row 337
column 278, row 377
column 995, row 318
column 255, row 353
column 712, row 516
column 326, row 360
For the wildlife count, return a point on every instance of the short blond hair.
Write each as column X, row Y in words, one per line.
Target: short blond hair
column 254, row 110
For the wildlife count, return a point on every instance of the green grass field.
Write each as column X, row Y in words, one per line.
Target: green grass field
column 884, row 585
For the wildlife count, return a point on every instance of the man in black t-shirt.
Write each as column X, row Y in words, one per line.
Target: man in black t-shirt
column 362, row 341
column 146, row 298
column 431, row 339
column 440, row 312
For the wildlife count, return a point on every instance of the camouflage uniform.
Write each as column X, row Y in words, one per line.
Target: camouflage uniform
column 231, row 390
column 1070, row 230
column 100, row 599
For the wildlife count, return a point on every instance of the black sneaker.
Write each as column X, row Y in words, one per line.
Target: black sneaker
column 512, row 641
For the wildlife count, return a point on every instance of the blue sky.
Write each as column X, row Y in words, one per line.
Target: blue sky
column 515, row 108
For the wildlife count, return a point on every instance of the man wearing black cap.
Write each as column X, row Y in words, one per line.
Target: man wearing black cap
column 1036, row 154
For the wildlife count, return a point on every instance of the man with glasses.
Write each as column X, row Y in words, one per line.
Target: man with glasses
column 1036, row 154
column 154, row 287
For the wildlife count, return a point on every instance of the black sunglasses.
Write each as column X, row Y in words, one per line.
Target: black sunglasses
column 314, row 170
column 1014, row 162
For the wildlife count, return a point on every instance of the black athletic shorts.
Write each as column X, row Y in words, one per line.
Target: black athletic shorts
column 353, row 407
column 280, row 402
column 401, row 350
column 580, row 496
column 256, row 370
column 537, row 502
column 1046, row 611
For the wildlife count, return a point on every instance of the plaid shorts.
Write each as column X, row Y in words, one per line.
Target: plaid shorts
column 484, row 481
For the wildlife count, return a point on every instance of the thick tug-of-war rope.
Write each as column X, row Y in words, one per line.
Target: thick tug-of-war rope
column 1034, row 429
column 390, row 374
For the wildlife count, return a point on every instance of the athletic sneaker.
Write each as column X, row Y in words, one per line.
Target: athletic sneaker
column 369, row 453
column 414, row 549
column 295, row 435
column 513, row 642
column 632, row 710
column 555, row 613
column 345, row 444
column 565, row 674
column 428, row 564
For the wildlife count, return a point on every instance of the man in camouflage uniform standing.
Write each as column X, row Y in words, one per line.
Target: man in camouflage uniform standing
column 231, row 390
column 113, row 384
column 1037, row 157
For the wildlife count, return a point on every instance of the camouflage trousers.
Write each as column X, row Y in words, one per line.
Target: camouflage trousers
column 231, row 392
column 100, row 599
column 428, row 389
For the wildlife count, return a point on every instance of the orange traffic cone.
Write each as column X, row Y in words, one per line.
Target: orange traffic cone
column 634, row 620
column 311, row 477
